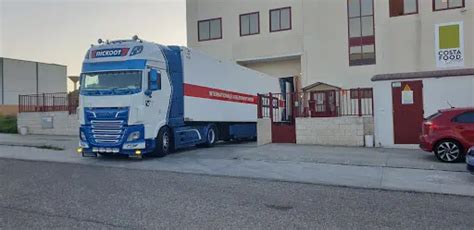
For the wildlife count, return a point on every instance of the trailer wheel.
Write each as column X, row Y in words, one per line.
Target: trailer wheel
column 211, row 137
column 163, row 142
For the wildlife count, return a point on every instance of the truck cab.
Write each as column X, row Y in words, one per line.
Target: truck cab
column 124, row 97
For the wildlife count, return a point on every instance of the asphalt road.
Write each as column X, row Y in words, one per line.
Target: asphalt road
column 43, row 195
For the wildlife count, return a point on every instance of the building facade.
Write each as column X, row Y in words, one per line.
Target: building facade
column 341, row 43
column 18, row 77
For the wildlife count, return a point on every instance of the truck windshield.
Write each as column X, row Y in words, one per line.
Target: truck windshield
column 117, row 82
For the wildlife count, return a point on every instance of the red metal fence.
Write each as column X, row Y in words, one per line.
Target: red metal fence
column 328, row 103
column 48, row 102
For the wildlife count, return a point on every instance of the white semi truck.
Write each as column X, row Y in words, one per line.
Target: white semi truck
column 139, row 98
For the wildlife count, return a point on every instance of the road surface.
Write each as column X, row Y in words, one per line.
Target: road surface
column 45, row 195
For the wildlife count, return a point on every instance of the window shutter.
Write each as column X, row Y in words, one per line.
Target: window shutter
column 396, row 8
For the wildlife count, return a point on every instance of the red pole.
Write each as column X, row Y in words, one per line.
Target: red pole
column 259, row 106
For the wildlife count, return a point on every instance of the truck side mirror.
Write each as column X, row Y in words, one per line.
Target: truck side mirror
column 154, row 80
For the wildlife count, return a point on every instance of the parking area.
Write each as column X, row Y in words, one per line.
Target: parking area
column 392, row 169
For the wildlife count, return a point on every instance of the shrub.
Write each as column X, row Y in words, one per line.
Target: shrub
column 8, row 124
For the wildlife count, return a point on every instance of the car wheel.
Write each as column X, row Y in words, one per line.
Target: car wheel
column 211, row 136
column 448, row 151
column 163, row 142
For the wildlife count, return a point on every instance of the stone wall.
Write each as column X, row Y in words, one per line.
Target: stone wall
column 341, row 131
column 49, row 123
column 264, row 131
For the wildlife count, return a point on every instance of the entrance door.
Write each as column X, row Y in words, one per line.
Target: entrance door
column 283, row 120
column 323, row 103
column 407, row 101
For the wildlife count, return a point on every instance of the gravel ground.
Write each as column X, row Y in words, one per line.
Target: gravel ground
column 44, row 195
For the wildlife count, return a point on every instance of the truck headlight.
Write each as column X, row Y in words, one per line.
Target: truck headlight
column 134, row 136
column 83, row 136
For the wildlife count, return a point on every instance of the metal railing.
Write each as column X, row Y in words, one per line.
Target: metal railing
column 48, row 102
column 327, row 103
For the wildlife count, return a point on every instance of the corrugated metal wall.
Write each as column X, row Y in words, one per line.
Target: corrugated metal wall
column 26, row 77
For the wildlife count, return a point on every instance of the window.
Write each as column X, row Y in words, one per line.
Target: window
column 447, row 4
column 467, row 117
column 403, row 7
column 249, row 24
column 364, row 93
column 361, row 32
column 121, row 81
column 280, row 19
column 210, row 29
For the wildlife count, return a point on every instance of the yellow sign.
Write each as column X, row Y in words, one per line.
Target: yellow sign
column 449, row 40
column 407, row 95
column 407, row 88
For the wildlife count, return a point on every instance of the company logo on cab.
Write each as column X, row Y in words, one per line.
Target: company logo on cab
column 110, row 53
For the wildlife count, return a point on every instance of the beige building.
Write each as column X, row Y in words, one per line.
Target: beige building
column 342, row 43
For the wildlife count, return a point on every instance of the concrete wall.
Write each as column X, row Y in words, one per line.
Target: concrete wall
column 320, row 37
column 325, row 46
column 342, row 131
column 264, row 131
column 437, row 92
column 407, row 43
column 63, row 123
column 234, row 47
column 286, row 68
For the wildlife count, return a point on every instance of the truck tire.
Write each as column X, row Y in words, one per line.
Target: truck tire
column 211, row 137
column 163, row 142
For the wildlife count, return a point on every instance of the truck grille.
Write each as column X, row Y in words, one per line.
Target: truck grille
column 107, row 131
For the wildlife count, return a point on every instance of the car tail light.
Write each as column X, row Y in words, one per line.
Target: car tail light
column 429, row 127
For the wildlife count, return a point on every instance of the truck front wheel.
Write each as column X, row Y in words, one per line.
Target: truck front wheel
column 163, row 142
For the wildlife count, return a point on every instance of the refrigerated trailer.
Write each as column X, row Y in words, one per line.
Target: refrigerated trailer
column 139, row 98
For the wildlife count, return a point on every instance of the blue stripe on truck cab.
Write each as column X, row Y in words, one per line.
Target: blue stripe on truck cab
column 138, row 64
column 174, row 64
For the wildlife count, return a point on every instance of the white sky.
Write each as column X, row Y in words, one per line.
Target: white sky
column 61, row 31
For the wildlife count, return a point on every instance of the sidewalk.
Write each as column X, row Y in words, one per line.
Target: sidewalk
column 63, row 142
column 392, row 169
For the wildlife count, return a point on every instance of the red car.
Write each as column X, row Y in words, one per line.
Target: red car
column 449, row 133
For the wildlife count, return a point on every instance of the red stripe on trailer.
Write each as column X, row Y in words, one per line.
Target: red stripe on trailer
column 218, row 94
